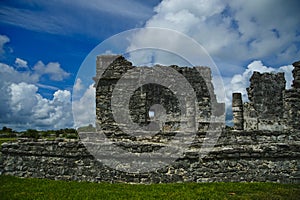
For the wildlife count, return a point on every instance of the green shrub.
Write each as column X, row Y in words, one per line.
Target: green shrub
column 71, row 136
column 31, row 133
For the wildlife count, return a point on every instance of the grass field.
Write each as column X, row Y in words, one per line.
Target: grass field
column 28, row 188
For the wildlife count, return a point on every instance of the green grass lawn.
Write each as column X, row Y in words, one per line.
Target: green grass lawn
column 29, row 188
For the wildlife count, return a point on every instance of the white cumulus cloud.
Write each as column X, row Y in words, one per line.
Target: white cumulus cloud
column 23, row 99
column 21, row 104
column 233, row 32
column 11, row 75
column 29, row 108
column 52, row 69
column 78, row 85
column 20, row 63
column 26, row 107
column 84, row 109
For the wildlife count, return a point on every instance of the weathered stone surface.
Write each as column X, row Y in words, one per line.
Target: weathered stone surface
column 266, row 94
column 238, row 156
column 237, row 110
column 179, row 114
column 271, row 106
column 296, row 75
column 292, row 108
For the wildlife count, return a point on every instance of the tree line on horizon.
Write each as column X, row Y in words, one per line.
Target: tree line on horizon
column 70, row 133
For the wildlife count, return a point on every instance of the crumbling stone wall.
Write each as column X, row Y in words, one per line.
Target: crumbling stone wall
column 237, row 157
column 265, row 107
column 270, row 106
column 110, row 68
column 292, row 100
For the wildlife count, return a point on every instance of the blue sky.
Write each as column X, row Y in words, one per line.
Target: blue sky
column 43, row 43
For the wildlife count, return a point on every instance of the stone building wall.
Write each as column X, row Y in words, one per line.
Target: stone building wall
column 111, row 68
column 265, row 108
column 271, row 106
column 292, row 100
column 237, row 157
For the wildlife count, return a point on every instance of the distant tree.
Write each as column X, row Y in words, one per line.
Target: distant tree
column 59, row 132
column 71, row 136
column 32, row 133
column 70, row 130
column 228, row 128
column 47, row 133
column 6, row 130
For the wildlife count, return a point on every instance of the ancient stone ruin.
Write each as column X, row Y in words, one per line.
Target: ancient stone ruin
column 151, row 96
column 270, row 107
column 262, row 146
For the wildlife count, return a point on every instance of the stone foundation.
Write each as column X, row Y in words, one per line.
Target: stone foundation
column 238, row 156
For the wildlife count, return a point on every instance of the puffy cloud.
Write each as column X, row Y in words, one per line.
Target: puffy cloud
column 55, row 113
column 21, row 105
column 62, row 96
column 52, row 69
column 78, row 85
column 233, row 32
column 20, row 63
column 11, row 75
column 23, row 99
column 3, row 40
column 28, row 109
column 84, row 109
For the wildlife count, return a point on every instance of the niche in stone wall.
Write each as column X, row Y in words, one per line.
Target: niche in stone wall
column 153, row 102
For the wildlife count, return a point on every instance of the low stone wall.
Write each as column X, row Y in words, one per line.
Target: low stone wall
column 238, row 156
